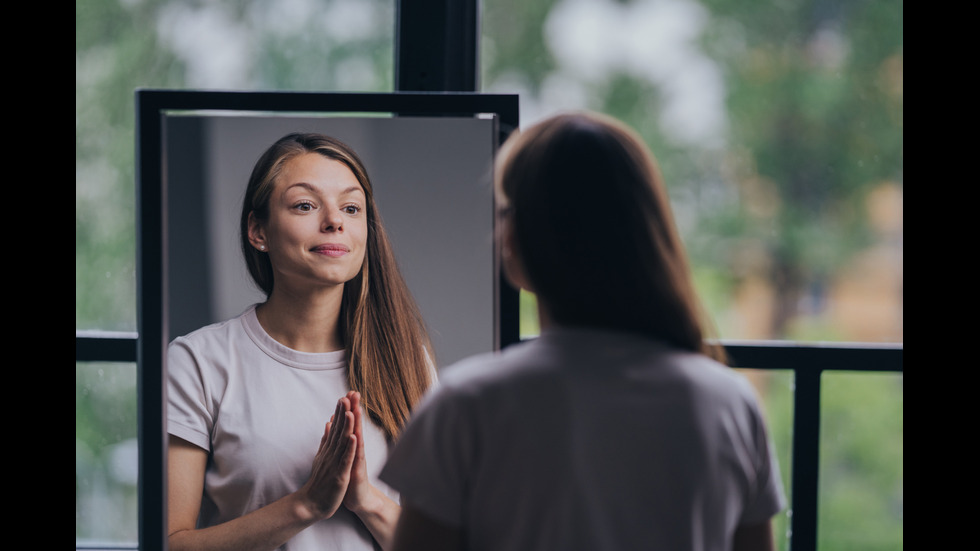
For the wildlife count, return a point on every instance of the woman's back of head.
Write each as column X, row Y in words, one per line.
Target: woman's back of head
column 594, row 229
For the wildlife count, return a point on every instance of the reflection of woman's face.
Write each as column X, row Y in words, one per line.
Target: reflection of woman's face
column 316, row 233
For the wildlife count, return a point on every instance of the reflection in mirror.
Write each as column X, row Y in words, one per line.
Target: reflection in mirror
column 246, row 404
column 432, row 186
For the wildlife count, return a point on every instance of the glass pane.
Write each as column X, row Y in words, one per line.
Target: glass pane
column 529, row 326
column 861, row 492
column 775, row 390
column 120, row 45
column 106, row 458
column 779, row 131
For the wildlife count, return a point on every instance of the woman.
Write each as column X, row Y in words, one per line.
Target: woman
column 618, row 428
column 269, row 447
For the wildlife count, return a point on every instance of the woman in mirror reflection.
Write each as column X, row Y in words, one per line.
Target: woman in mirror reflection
column 281, row 418
column 619, row 427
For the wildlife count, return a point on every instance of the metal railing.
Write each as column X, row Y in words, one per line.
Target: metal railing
column 808, row 362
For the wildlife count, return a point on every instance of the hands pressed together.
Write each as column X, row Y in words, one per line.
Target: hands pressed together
column 339, row 475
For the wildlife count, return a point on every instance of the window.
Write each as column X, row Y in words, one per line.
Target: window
column 779, row 131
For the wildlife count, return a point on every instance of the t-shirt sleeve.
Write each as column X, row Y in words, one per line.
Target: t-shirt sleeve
column 188, row 415
column 767, row 497
column 431, row 463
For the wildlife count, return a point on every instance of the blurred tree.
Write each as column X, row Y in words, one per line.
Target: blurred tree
column 114, row 54
column 813, row 104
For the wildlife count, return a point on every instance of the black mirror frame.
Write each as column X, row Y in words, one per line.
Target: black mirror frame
column 152, row 311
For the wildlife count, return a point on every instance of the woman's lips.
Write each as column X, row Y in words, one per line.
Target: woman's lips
column 331, row 249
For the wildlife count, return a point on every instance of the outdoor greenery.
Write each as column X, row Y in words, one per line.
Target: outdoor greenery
column 802, row 109
column 778, row 127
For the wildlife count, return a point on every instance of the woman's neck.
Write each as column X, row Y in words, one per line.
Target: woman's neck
column 307, row 322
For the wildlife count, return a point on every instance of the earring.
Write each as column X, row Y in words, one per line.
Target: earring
column 261, row 247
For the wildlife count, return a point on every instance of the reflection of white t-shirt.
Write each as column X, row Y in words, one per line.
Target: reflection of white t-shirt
column 260, row 409
column 589, row 440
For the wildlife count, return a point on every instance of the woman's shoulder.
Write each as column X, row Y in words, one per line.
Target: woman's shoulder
column 217, row 333
column 482, row 372
column 713, row 381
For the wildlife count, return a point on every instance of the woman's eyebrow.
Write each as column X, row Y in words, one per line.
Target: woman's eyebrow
column 304, row 185
column 352, row 189
column 313, row 189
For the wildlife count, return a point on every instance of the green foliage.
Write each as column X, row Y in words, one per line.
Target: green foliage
column 814, row 108
column 114, row 55
column 515, row 43
column 816, row 97
column 106, row 490
column 861, row 462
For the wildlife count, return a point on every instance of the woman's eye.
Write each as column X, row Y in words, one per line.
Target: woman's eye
column 304, row 207
column 352, row 209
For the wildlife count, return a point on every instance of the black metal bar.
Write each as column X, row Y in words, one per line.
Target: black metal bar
column 437, row 45
column 804, row 486
column 772, row 356
column 105, row 347
column 151, row 322
column 426, row 103
column 808, row 357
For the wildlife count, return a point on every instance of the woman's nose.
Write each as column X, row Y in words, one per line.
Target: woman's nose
column 333, row 220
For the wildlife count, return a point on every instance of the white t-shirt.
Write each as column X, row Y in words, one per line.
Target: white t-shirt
column 260, row 410
column 589, row 440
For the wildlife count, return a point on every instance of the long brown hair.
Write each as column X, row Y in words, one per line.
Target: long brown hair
column 389, row 357
column 595, row 231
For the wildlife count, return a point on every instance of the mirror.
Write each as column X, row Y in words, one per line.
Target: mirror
column 429, row 156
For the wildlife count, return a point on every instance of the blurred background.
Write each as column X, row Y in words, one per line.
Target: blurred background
column 778, row 126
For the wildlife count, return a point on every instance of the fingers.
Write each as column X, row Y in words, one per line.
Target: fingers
column 355, row 401
column 333, row 466
column 345, row 449
column 337, row 430
column 326, row 434
column 344, row 429
column 358, row 424
column 339, row 421
column 355, row 406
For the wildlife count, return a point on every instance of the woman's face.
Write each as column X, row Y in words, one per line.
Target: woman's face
column 316, row 233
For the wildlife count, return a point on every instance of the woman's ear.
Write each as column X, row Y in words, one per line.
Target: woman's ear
column 256, row 233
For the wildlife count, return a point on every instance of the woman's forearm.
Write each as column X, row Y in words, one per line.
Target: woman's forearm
column 264, row 529
column 380, row 518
